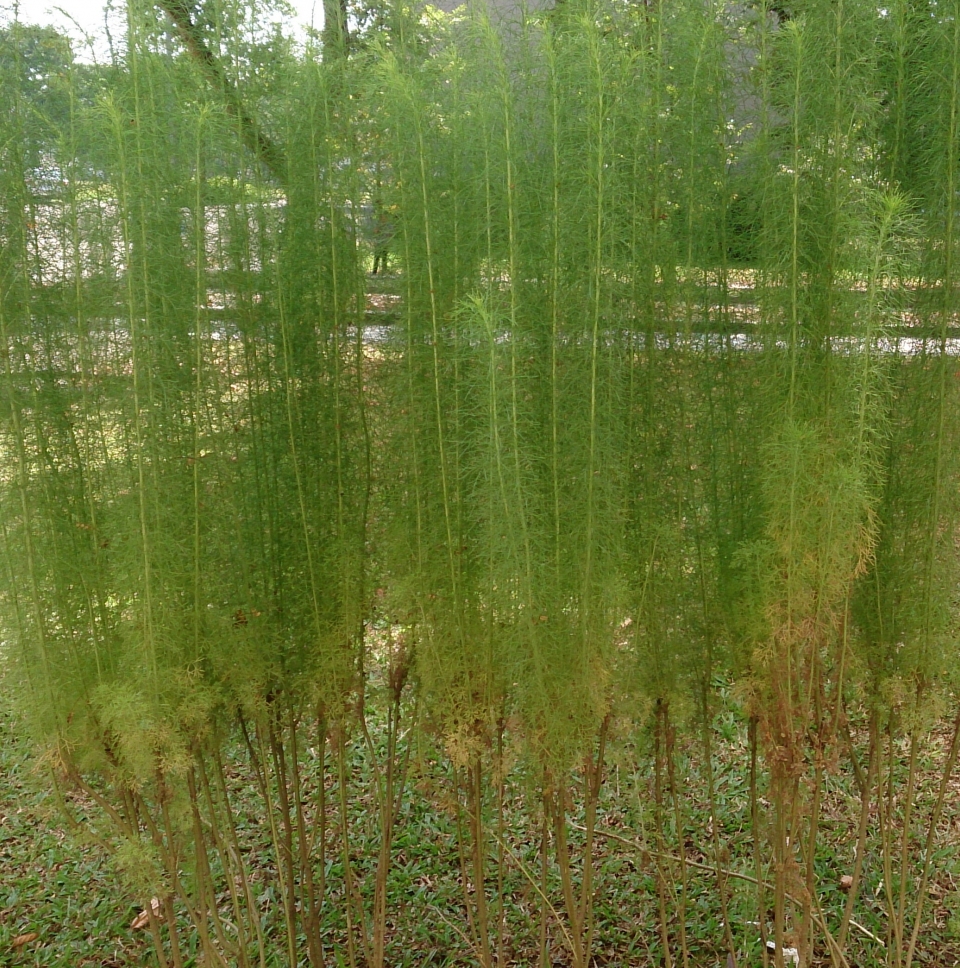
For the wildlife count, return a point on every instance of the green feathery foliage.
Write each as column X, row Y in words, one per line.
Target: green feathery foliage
column 516, row 386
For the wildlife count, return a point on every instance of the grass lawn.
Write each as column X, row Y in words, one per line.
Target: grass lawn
column 55, row 891
column 61, row 903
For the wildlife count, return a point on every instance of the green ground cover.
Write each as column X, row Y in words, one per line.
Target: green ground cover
column 52, row 884
column 62, row 887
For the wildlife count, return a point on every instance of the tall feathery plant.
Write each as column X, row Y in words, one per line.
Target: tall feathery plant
column 904, row 609
column 822, row 469
column 566, row 702
column 182, row 462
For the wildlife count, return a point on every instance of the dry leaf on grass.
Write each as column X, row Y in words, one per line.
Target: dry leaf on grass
column 143, row 918
column 21, row 939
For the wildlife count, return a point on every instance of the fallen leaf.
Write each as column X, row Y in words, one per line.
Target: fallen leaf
column 143, row 918
column 21, row 939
